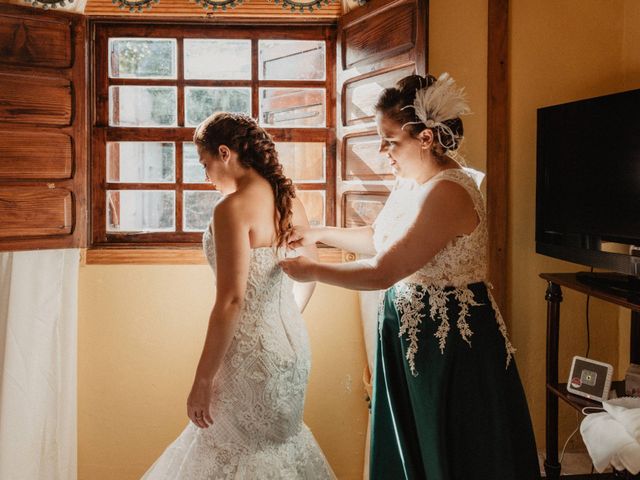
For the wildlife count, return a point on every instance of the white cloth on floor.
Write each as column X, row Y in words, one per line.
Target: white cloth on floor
column 612, row 436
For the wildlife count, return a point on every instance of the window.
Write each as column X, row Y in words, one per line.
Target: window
column 154, row 84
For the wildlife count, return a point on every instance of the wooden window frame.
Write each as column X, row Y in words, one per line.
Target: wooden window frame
column 101, row 132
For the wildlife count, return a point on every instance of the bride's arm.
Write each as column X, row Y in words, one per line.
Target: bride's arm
column 302, row 291
column 232, row 264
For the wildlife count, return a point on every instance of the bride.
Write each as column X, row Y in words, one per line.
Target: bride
column 246, row 403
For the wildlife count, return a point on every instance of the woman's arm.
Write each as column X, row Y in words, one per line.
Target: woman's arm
column 446, row 213
column 302, row 291
column 357, row 239
column 232, row 264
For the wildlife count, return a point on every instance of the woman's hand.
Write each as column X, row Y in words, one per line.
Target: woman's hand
column 301, row 236
column 199, row 403
column 301, row 269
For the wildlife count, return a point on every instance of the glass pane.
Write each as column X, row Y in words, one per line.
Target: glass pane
column 293, row 107
column 192, row 171
column 140, row 162
column 302, row 161
column 361, row 209
column 198, row 209
column 313, row 201
column 361, row 95
column 142, row 58
column 217, row 59
column 141, row 211
column 133, row 106
column 292, row 60
column 202, row 102
column 363, row 159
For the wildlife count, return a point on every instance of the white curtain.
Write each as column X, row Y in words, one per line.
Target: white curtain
column 369, row 302
column 38, row 332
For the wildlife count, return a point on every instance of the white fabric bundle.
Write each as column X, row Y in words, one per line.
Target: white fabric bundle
column 613, row 436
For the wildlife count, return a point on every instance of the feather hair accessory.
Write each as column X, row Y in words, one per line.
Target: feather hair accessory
column 441, row 101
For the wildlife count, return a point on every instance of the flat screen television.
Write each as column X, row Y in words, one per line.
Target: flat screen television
column 588, row 182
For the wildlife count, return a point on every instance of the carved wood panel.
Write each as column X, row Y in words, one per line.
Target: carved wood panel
column 378, row 44
column 35, row 211
column 31, row 155
column 43, row 151
column 22, row 41
column 34, row 100
column 382, row 35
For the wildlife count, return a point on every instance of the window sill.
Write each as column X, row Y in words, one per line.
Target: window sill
column 175, row 256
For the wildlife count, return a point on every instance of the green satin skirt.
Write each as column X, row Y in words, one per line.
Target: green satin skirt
column 464, row 416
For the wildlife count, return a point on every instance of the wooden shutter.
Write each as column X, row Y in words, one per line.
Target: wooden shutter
column 378, row 44
column 43, row 140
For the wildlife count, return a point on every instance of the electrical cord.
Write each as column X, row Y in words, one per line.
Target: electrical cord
column 567, row 442
column 588, row 330
column 588, row 326
column 584, row 411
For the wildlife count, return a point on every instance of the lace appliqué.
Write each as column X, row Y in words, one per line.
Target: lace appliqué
column 409, row 302
column 462, row 262
column 502, row 327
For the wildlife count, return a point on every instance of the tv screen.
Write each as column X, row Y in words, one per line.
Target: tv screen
column 588, row 180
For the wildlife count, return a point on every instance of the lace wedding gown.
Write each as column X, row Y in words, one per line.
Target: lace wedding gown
column 257, row 430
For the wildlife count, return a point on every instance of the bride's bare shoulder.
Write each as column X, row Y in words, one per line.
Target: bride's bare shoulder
column 252, row 203
column 231, row 205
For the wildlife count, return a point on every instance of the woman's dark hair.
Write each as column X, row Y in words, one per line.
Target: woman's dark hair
column 392, row 102
column 255, row 149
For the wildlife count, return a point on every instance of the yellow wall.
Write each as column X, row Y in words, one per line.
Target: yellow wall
column 458, row 45
column 140, row 336
column 631, row 44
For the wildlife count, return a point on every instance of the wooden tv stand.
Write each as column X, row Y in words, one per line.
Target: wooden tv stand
column 557, row 390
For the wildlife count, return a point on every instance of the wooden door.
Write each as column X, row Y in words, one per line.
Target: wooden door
column 378, row 44
column 43, row 139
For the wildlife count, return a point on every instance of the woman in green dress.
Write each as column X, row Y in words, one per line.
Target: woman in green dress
column 448, row 403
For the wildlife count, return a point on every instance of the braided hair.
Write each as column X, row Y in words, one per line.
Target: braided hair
column 255, row 149
column 392, row 102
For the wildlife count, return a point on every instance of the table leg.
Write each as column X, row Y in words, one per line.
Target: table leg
column 635, row 337
column 553, row 297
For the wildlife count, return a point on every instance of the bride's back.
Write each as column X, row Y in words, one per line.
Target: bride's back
column 258, row 207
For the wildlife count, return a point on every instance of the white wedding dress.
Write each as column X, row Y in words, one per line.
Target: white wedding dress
column 257, row 430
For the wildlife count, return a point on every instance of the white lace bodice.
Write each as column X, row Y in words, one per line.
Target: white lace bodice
column 258, row 430
column 264, row 376
column 462, row 262
column 464, row 259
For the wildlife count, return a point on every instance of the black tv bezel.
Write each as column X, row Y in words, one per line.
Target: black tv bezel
column 618, row 262
column 615, row 262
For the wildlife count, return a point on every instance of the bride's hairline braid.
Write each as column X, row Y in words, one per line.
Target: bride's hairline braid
column 282, row 186
column 252, row 145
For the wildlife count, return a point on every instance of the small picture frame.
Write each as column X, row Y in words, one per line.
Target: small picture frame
column 590, row 379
